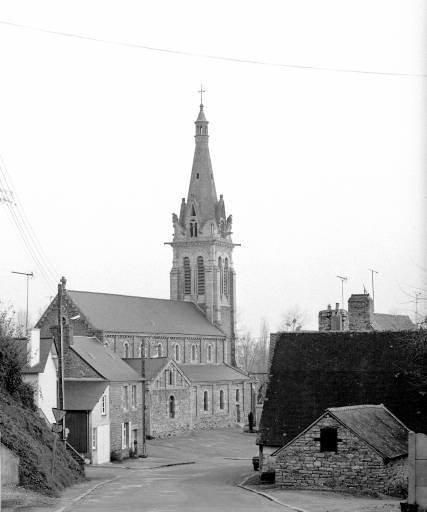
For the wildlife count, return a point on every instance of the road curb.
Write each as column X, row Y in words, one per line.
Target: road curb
column 243, row 486
column 115, row 478
column 141, row 469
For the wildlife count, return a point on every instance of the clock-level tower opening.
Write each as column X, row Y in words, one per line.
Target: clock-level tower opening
column 202, row 269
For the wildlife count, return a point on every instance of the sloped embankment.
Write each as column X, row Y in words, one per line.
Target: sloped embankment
column 25, row 433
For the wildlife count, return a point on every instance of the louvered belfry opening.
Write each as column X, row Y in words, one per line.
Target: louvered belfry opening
column 226, row 276
column 200, row 276
column 221, row 275
column 187, row 276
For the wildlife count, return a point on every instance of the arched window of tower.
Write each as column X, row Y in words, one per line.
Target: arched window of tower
column 221, row 275
column 200, row 276
column 193, row 353
column 177, row 352
column 159, row 350
column 193, row 228
column 226, row 276
column 187, row 276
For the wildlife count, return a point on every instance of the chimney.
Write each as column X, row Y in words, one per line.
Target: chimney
column 34, row 347
column 360, row 312
column 329, row 307
column 337, row 306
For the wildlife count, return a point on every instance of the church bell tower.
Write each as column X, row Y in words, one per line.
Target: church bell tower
column 202, row 269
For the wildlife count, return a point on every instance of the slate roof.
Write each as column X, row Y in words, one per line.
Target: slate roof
column 82, row 395
column 383, row 322
column 213, row 373
column 45, row 348
column 377, row 426
column 108, row 364
column 124, row 313
column 311, row 372
column 152, row 365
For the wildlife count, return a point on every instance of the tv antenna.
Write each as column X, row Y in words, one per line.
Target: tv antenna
column 342, row 289
column 373, row 294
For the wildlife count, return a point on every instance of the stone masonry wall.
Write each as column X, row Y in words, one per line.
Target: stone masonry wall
column 354, row 466
column 161, row 423
column 215, row 417
column 120, row 414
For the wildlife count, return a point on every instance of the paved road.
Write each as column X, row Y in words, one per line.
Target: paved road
column 209, row 484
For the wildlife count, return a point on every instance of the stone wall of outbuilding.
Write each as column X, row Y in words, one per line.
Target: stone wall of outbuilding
column 161, row 424
column 355, row 466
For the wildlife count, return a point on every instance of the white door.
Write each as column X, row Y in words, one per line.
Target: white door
column 103, row 444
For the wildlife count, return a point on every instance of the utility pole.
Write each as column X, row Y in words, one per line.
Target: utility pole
column 30, row 274
column 373, row 294
column 342, row 289
column 144, row 444
column 61, row 285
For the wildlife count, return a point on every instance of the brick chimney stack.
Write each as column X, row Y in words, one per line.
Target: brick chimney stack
column 360, row 312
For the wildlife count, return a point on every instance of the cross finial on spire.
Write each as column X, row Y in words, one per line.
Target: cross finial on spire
column 201, row 94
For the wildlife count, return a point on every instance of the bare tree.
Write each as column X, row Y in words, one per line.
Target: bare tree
column 246, row 351
column 20, row 319
column 293, row 319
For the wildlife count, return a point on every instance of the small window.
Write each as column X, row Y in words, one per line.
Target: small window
column 126, row 349
column 205, row 401
column 177, row 352
column 171, row 377
column 94, row 436
column 159, row 350
column 328, row 440
column 104, row 405
column 193, row 353
column 134, row 397
column 126, row 397
column 237, row 395
column 125, row 435
column 210, row 353
column 197, row 175
column 172, row 407
column 221, row 399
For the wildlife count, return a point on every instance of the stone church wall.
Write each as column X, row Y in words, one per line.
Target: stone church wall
column 215, row 417
column 161, row 425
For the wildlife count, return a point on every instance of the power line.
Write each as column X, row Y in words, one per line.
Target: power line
column 205, row 56
column 23, row 232
column 54, row 274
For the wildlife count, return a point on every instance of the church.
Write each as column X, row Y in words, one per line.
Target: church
column 195, row 382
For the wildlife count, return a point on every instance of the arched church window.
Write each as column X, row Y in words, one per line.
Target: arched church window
column 221, row 275
column 193, row 228
column 177, row 352
column 210, row 353
column 187, row 276
column 226, row 276
column 126, row 348
column 237, row 395
column 221, row 399
column 159, row 349
column 205, row 401
column 200, row 276
column 193, row 352
column 171, row 407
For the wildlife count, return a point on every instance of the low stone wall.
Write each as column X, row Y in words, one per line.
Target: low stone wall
column 9, row 466
column 354, row 466
column 209, row 421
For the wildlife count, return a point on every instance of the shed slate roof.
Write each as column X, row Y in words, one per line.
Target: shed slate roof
column 45, row 348
column 82, row 395
column 108, row 364
column 152, row 365
column 383, row 322
column 213, row 373
column 376, row 425
column 124, row 313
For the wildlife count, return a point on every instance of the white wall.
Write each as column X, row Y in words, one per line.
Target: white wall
column 48, row 393
column 101, row 422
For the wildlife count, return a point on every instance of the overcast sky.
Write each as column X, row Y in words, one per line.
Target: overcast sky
column 322, row 170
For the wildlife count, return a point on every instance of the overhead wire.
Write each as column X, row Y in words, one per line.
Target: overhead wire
column 205, row 56
column 23, row 233
column 49, row 267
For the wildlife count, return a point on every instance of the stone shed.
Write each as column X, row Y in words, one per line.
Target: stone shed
column 357, row 447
